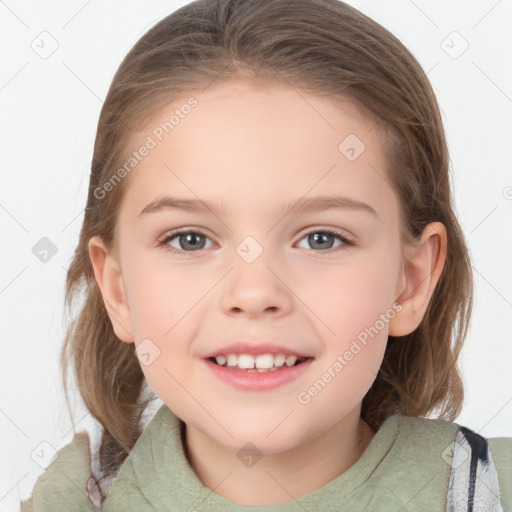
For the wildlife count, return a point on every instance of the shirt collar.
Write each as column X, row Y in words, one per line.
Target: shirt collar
column 157, row 472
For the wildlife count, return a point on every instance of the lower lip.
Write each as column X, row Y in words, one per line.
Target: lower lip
column 257, row 381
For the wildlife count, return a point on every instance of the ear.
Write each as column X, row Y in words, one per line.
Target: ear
column 423, row 265
column 107, row 272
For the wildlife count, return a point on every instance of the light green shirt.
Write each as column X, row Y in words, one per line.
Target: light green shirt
column 406, row 467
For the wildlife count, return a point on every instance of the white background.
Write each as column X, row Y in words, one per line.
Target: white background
column 50, row 108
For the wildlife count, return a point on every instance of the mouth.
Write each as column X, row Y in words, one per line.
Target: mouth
column 263, row 363
column 258, row 372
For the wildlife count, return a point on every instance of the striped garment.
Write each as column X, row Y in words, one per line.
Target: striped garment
column 474, row 485
column 412, row 464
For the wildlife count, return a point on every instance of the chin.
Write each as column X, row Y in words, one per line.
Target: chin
column 261, row 444
column 269, row 437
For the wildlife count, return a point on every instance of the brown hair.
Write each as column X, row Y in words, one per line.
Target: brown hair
column 324, row 47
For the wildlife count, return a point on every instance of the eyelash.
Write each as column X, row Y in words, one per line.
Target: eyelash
column 164, row 241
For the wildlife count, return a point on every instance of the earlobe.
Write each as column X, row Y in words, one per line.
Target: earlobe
column 423, row 266
column 108, row 276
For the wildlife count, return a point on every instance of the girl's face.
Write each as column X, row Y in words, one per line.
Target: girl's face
column 270, row 260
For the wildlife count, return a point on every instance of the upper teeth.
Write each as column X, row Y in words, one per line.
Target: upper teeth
column 260, row 361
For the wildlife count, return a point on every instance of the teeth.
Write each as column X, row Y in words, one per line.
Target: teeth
column 260, row 363
column 290, row 360
column 232, row 360
column 279, row 360
column 264, row 361
column 245, row 361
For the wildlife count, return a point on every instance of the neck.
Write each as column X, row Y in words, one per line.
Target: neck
column 278, row 477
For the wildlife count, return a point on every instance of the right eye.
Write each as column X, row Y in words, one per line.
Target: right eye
column 186, row 239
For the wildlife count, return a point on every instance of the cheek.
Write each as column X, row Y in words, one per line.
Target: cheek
column 355, row 308
column 165, row 312
column 354, row 303
column 349, row 296
column 159, row 297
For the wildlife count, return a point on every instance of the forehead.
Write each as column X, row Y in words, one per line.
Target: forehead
column 245, row 145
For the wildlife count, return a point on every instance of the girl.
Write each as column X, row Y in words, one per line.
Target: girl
column 270, row 249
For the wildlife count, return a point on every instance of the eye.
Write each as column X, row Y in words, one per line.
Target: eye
column 322, row 238
column 189, row 240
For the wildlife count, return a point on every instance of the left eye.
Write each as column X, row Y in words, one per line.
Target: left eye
column 191, row 241
column 321, row 238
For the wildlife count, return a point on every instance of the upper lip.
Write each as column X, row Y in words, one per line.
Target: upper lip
column 255, row 349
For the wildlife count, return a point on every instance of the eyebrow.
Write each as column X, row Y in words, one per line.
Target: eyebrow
column 301, row 205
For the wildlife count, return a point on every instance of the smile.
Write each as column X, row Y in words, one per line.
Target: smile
column 259, row 363
column 242, row 374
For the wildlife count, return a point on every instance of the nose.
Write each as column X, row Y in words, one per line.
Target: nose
column 256, row 288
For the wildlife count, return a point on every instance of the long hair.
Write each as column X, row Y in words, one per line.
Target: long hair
column 323, row 47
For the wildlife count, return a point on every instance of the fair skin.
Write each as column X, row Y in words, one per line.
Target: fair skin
column 253, row 151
